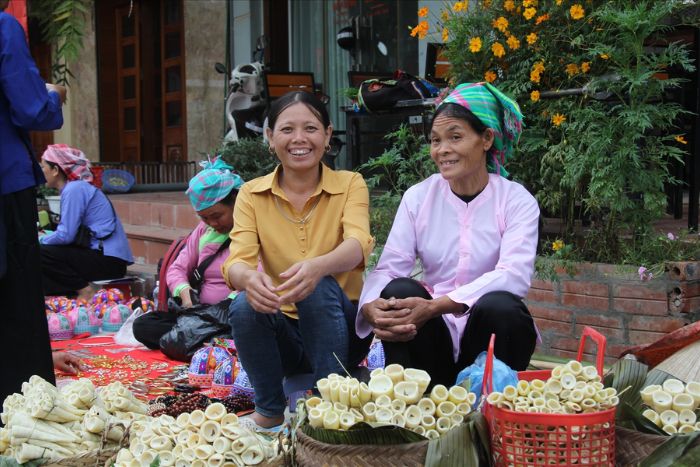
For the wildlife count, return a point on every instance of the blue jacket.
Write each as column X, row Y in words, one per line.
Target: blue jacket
column 83, row 204
column 25, row 105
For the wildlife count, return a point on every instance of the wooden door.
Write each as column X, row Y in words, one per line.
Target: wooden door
column 128, row 81
column 173, row 110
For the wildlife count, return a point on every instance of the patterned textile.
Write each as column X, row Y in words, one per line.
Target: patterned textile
column 72, row 161
column 212, row 184
column 498, row 112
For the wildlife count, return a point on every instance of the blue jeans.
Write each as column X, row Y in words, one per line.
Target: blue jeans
column 272, row 346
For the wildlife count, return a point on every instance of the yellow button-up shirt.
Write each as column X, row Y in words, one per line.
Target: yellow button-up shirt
column 267, row 227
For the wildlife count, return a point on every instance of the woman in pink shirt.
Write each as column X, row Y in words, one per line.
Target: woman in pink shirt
column 212, row 193
column 475, row 234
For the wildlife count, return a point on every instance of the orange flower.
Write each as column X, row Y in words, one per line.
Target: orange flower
column 680, row 139
column 558, row 2
column 490, row 76
column 445, row 15
column 535, row 96
column 531, row 38
column 423, row 12
column 513, row 42
column 445, row 35
column 604, row 56
column 529, row 3
column 542, row 18
column 498, row 49
column 509, row 5
column 475, row 44
column 501, row 24
column 529, row 13
column 585, row 67
column 576, row 11
column 460, row 6
column 558, row 119
column 536, row 71
column 421, row 30
column 571, row 69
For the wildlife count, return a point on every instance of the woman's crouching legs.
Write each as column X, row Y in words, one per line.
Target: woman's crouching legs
column 269, row 348
column 504, row 314
column 323, row 325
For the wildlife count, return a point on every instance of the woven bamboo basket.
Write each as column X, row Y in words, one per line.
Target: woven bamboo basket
column 632, row 447
column 312, row 453
column 96, row 458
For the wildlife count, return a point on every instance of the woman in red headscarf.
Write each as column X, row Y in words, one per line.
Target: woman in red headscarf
column 89, row 244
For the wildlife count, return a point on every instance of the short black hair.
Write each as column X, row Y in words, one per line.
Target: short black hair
column 453, row 110
column 230, row 198
column 53, row 165
column 309, row 100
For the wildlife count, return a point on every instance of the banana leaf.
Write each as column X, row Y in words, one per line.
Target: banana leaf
column 690, row 459
column 6, row 461
column 629, row 376
column 363, row 433
column 631, row 417
column 467, row 444
column 672, row 450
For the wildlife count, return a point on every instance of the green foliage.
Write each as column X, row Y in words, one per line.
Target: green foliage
column 406, row 162
column 63, row 26
column 603, row 151
column 249, row 157
column 42, row 191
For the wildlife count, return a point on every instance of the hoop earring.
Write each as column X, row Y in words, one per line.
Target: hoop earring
column 327, row 148
column 271, row 150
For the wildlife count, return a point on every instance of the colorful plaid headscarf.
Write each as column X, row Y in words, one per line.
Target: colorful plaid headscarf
column 498, row 112
column 72, row 161
column 212, row 184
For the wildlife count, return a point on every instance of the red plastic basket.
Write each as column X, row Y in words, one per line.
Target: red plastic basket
column 535, row 439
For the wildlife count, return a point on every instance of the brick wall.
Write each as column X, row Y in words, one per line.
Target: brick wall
column 613, row 300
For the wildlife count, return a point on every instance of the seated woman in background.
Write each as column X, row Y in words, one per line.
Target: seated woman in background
column 309, row 226
column 475, row 233
column 67, row 268
column 212, row 193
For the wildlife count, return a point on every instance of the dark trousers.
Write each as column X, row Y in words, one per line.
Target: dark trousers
column 24, row 334
column 149, row 328
column 501, row 313
column 67, row 269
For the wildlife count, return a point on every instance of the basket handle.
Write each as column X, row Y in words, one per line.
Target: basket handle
column 600, row 341
column 487, row 380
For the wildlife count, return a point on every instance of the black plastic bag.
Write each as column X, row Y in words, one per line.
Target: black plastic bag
column 383, row 94
column 195, row 326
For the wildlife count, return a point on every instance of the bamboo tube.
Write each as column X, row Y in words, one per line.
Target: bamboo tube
column 344, row 394
column 407, row 391
column 331, row 420
column 426, row 406
column 346, row 420
column 464, row 408
column 682, row 401
column 413, row 416
column 439, row 393
column 446, row 409
column 670, row 429
column 419, row 376
column 334, row 387
column 398, row 406
column 693, row 388
column 428, row 422
column 313, row 402
column 383, row 401
column 457, row 394
column 398, row 420
column 340, row 407
column 673, row 386
column 395, row 372
column 510, row 393
column 686, row 429
column 537, row 385
column 368, row 410
column 381, row 385
column 383, row 415
column 523, row 387
column 324, row 388
column 687, row 417
column 589, row 373
column 568, row 381
column 661, row 400
column 443, row 425
column 652, row 416
column 365, row 393
column 669, row 417
column 574, row 367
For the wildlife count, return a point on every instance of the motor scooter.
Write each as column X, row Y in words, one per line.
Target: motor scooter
column 245, row 101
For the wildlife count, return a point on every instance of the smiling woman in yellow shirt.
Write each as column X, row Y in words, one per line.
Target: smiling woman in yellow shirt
column 309, row 227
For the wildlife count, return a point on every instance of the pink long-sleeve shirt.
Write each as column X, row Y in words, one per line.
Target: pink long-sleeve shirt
column 466, row 249
column 202, row 242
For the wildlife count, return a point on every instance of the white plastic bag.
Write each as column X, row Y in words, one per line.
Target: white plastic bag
column 125, row 335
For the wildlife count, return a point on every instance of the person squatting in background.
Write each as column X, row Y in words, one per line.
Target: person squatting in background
column 67, row 266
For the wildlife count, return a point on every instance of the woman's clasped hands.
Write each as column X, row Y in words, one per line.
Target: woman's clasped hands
column 300, row 280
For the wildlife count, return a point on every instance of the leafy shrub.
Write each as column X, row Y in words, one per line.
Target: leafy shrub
column 249, row 157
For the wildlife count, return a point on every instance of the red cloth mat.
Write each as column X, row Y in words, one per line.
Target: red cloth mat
column 147, row 373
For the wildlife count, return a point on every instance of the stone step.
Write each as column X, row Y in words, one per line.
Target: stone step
column 162, row 210
column 150, row 243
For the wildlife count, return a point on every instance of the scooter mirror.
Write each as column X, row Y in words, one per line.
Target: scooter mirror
column 220, row 68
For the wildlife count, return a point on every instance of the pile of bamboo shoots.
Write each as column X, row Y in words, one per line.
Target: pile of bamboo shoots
column 393, row 396
column 199, row 438
column 44, row 422
column 672, row 405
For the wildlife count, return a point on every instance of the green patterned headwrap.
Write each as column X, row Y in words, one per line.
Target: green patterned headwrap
column 496, row 111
